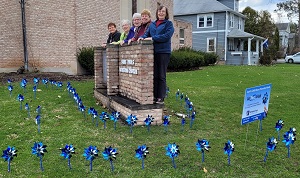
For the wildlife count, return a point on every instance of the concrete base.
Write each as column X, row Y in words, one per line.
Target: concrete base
column 127, row 106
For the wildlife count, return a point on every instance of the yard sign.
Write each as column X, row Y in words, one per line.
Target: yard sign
column 256, row 103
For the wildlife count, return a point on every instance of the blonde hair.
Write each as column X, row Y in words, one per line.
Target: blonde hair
column 146, row 12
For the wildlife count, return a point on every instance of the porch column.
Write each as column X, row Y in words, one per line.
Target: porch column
column 257, row 46
column 261, row 47
column 249, row 50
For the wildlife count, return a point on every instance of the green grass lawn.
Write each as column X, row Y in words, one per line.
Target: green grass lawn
column 217, row 93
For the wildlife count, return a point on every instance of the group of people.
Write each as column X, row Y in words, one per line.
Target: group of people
column 160, row 31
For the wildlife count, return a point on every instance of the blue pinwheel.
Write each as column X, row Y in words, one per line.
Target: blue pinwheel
column 115, row 117
column 27, row 108
column 167, row 91
column 34, row 91
column 36, row 81
column 103, row 116
column 182, row 123
column 202, row 145
column 38, row 109
column 181, row 98
column 39, row 149
column 67, row 152
column 38, row 122
column 90, row 154
column 289, row 138
column 23, row 84
column 228, row 149
column 131, row 120
column 81, row 108
column 278, row 127
column 52, row 82
column 93, row 113
column 10, row 89
column 8, row 155
column 141, row 153
column 21, row 99
column 110, row 153
column 148, row 122
column 45, row 82
column 9, row 81
column 271, row 145
column 166, row 122
column 177, row 94
column 59, row 85
column 193, row 116
column 172, row 152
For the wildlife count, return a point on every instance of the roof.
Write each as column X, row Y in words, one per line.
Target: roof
column 189, row 7
column 236, row 33
column 282, row 26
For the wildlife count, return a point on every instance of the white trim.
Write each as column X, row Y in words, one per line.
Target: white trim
column 207, row 44
column 226, row 33
column 210, row 31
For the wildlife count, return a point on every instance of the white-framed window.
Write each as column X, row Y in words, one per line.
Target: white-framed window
column 231, row 21
column 240, row 24
column 211, row 44
column 181, row 37
column 236, row 5
column 205, row 20
column 230, row 45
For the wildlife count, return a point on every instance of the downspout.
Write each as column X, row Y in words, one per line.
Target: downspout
column 22, row 2
column 226, row 32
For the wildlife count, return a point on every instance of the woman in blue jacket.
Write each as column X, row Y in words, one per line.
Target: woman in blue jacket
column 160, row 32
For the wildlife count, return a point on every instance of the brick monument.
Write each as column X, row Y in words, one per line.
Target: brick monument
column 124, row 80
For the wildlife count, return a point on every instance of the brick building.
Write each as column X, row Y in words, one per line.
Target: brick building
column 57, row 29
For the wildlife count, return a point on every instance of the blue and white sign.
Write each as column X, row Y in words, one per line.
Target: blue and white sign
column 256, row 103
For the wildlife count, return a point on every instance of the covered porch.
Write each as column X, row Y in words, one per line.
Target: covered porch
column 237, row 53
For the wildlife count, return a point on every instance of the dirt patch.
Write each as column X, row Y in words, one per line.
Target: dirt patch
column 14, row 77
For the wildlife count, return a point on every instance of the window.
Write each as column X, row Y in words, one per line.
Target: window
column 240, row 23
column 181, row 37
column 205, row 20
column 211, row 44
column 231, row 21
column 230, row 45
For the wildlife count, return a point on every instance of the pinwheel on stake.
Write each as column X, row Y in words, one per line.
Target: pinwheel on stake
column 8, row 155
column 182, row 123
column 90, row 154
column 81, row 108
column 141, row 153
column 9, row 81
column 103, row 116
column 202, row 145
column 177, row 94
column 27, row 108
column 271, row 145
column 21, row 99
column 38, row 122
column 67, row 152
column 34, row 91
column 45, row 82
column 39, row 149
column 166, row 122
column 148, row 122
column 115, row 117
column 38, row 110
column 289, row 138
column 278, row 127
column 131, row 120
column 23, row 84
column 110, row 153
column 172, row 152
column 228, row 149
column 36, row 81
column 10, row 89
column 193, row 116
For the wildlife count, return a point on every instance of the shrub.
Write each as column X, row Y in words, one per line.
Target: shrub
column 85, row 57
column 187, row 58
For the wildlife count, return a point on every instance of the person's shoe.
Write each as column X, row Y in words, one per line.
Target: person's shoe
column 160, row 101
